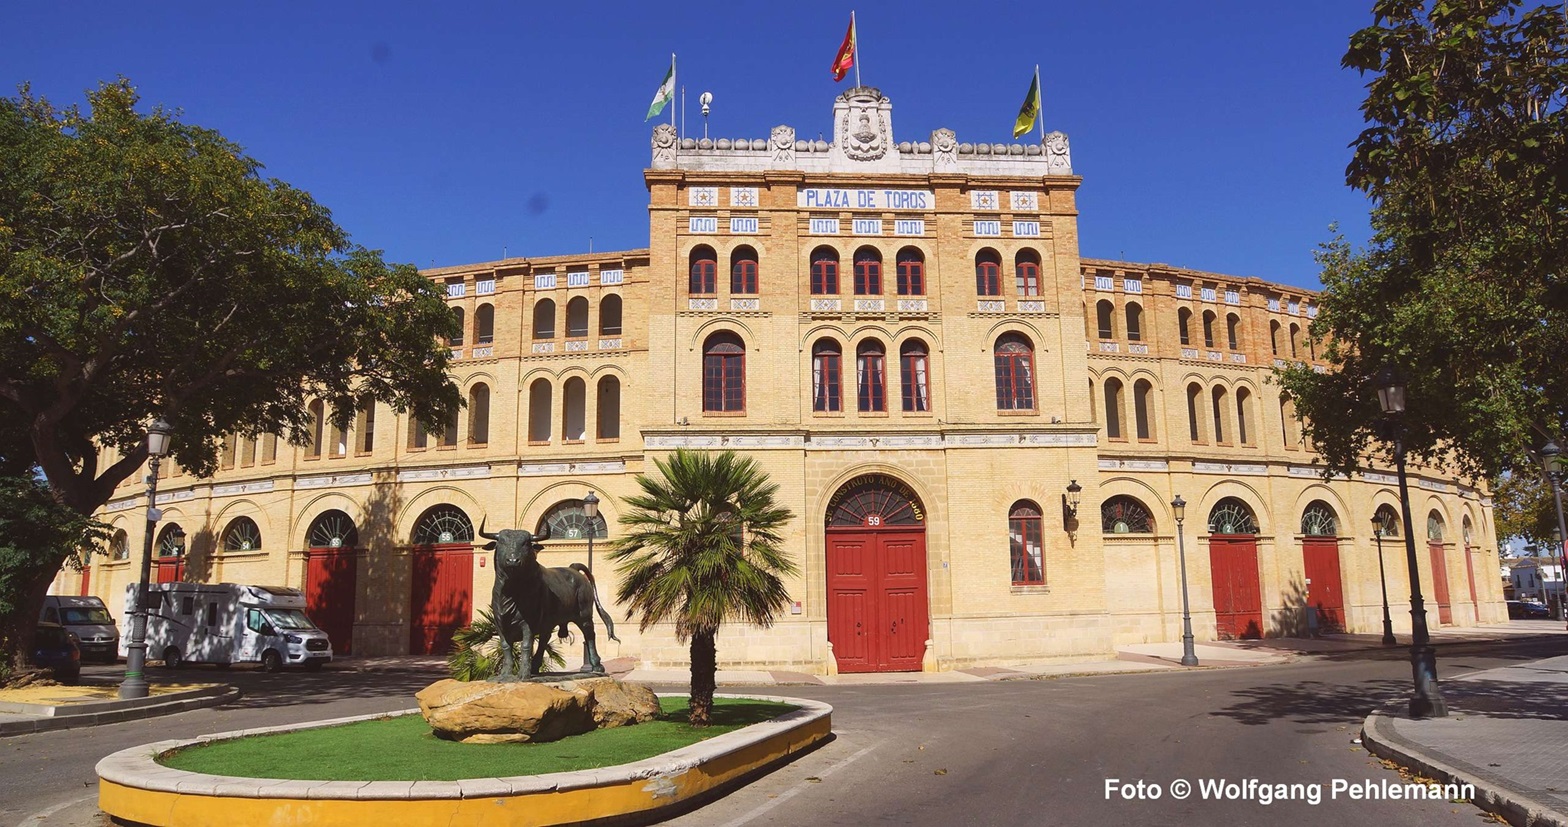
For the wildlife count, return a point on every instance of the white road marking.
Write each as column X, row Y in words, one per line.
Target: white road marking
column 791, row 793
column 37, row 818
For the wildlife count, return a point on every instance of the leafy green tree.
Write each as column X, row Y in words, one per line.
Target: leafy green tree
column 703, row 545
column 1464, row 285
column 147, row 269
column 1524, row 508
column 37, row 533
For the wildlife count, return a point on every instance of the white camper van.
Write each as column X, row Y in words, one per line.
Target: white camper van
column 226, row 623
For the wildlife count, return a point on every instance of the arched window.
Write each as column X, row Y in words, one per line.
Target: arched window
column 1290, row 427
column 1244, row 432
column 1387, row 521
column 824, row 272
column 484, row 324
column 826, row 370
column 1233, row 331
column 318, row 428
column 871, row 376
column 868, row 272
column 539, row 414
column 704, row 266
column 456, row 339
column 1125, row 515
column 566, row 521
column 418, row 435
column 544, row 319
column 1318, row 520
column 911, row 272
column 171, row 541
column 723, row 373
column 610, row 315
column 1208, row 328
column 1134, row 322
column 1219, row 414
column 1195, row 412
column 120, row 546
column 479, row 414
column 577, row 318
column 574, row 409
column 1027, row 267
column 1024, row 544
column 1274, row 337
column 1105, row 313
column 1295, row 339
column 1113, row 409
column 241, row 535
column 743, row 271
column 988, row 273
column 1434, row 527
column 608, row 415
column 1014, row 373
column 1143, row 408
column 914, row 375
column 1094, row 407
column 1465, row 532
column 1184, row 325
column 333, row 529
column 449, row 431
column 442, row 524
column 1232, row 516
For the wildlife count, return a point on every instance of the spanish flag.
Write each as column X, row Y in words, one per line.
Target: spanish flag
column 846, row 53
column 1029, row 114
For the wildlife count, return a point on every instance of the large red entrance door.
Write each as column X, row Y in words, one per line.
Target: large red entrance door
column 1320, row 561
column 442, row 596
column 877, row 610
column 171, row 569
column 1238, row 599
column 1445, row 608
column 329, row 594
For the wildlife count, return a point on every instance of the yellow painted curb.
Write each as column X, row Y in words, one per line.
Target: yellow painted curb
column 133, row 787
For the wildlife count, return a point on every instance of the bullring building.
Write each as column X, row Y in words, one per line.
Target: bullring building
column 979, row 431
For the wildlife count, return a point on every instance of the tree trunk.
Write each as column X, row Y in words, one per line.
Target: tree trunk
column 19, row 626
column 704, row 674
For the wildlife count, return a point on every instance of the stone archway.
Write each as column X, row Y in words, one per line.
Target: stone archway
column 878, row 607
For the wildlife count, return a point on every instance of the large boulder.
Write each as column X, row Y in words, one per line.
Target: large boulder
column 480, row 712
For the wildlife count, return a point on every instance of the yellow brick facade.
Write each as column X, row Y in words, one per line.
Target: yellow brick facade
column 968, row 461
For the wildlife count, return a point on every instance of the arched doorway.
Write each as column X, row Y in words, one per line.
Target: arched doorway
column 1467, row 535
column 1233, row 565
column 1320, row 565
column 443, row 579
column 1434, row 546
column 170, row 554
column 330, row 577
column 878, row 619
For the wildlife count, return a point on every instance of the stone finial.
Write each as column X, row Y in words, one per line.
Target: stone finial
column 1058, row 158
column 664, row 146
column 944, row 149
column 782, row 144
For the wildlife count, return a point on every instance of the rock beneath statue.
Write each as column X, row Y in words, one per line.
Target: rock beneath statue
column 481, row 712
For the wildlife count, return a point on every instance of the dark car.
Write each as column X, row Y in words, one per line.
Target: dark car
column 1525, row 610
column 53, row 649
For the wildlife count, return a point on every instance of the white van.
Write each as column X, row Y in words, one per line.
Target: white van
column 88, row 620
column 226, row 623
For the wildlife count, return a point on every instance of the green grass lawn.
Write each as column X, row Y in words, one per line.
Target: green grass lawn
column 403, row 748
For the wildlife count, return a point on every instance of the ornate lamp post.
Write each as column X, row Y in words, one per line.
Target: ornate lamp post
column 135, row 683
column 1427, row 702
column 1552, row 457
column 591, row 511
column 1188, row 657
column 1382, row 579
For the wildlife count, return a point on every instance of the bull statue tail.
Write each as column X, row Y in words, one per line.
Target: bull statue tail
column 604, row 616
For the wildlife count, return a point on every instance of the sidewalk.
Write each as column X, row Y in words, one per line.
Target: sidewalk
column 1505, row 733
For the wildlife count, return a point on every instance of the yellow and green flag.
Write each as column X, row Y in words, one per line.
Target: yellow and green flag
column 1029, row 113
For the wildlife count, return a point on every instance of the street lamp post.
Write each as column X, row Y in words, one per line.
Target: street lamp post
column 1188, row 657
column 1382, row 579
column 591, row 511
column 1427, row 702
column 1552, row 456
column 135, row 683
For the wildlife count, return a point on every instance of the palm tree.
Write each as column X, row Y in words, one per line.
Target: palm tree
column 703, row 546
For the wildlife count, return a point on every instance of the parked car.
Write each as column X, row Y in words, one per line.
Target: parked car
column 55, row 649
column 1526, row 610
column 88, row 620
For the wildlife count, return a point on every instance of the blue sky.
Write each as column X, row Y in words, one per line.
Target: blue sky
column 1209, row 134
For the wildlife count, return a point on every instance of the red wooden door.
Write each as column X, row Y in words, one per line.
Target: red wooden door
column 329, row 594
column 171, row 569
column 87, row 576
column 1320, row 561
column 1238, row 598
column 443, row 586
column 1445, row 609
column 878, row 619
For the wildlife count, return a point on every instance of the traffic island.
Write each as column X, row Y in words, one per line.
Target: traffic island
column 44, row 708
column 135, row 788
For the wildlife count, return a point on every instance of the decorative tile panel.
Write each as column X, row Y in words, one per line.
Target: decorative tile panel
column 909, row 226
column 484, row 287
column 745, row 304
column 241, row 488
column 824, row 226
column 1234, row 469
column 1107, row 283
column 1134, row 465
column 870, row 305
column 867, row 226
column 1023, row 201
column 1132, row 285
column 484, row 352
column 609, row 344
column 575, row 345
column 702, row 304
column 1183, row 291
column 577, row 278
column 544, row 347
column 743, row 196
column 702, row 224
column 825, row 305
column 1026, row 229
column 612, row 276
column 984, row 200
column 1031, row 306
column 990, row 306
column 912, row 305
column 468, row 472
column 544, row 281
column 702, row 197
column 332, row 480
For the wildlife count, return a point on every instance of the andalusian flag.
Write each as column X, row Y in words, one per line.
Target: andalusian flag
column 1029, row 114
column 845, row 60
column 665, row 93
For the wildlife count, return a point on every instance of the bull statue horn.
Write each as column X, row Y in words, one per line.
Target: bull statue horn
column 482, row 532
column 544, row 534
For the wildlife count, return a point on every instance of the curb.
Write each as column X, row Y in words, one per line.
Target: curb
column 71, row 716
column 1491, row 794
column 133, row 787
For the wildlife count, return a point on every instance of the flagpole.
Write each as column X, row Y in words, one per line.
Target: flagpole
column 1039, row 109
column 854, row 31
column 682, row 132
column 683, row 101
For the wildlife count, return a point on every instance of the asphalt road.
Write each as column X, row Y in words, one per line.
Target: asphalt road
column 994, row 753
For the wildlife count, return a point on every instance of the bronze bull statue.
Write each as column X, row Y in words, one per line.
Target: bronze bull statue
column 529, row 600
